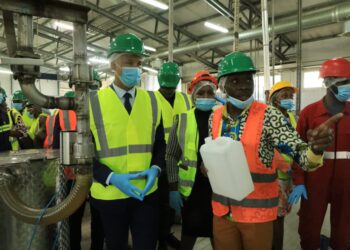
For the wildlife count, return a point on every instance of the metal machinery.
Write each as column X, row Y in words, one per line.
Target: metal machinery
column 21, row 198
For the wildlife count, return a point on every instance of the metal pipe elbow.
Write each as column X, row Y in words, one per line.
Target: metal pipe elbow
column 53, row 214
column 35, row 96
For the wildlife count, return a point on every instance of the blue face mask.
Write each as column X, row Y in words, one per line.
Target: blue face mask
column 287, row 104
column 131, row 76
column 240, row 104
column 30, row 115
column 343, row 93
column 220, row 99
column 18, row 106
column 205, row 104
column 2, row 98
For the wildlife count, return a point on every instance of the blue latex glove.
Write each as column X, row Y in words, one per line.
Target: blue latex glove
column 151, row 174
column 298, row 191
column 121, row 181
column 176, row 201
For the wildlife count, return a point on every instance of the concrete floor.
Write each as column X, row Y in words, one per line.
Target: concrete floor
column 291, row 238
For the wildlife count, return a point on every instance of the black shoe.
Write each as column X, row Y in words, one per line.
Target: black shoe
column 173, row 241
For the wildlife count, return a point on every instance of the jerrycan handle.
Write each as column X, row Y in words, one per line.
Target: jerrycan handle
column 208, row 139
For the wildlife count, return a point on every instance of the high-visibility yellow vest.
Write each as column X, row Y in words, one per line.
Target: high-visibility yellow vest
column 28, row 121
column 287, row 158
column 34, row 128
column 188, row 137
column 182, row 104
column 14, row 141
column 9, row 126
column 123, row 142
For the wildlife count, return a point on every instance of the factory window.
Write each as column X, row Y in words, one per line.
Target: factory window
column 312, row 80
column 259, row 92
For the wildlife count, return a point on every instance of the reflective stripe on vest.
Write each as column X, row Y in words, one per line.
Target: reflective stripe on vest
column 186, row 98
column 68, row 120
column 7, row 127
column 181, row 104
column 264, row 199
column 339, row 155
column 123, row 141
column 187, row 135
column 253, row 203
column 111, row 152
column 50, row 124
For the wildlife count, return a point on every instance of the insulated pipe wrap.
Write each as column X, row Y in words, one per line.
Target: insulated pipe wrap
column 53, row 214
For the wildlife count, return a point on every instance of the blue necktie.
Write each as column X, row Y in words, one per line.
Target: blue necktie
column 127, row 103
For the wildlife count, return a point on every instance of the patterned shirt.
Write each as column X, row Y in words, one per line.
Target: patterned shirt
column 18, row 122
column 277, row 134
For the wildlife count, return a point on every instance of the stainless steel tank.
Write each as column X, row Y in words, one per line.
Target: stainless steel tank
column 35, row 173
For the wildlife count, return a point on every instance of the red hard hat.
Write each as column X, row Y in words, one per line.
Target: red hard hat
column 336, row 67
column 202, row 76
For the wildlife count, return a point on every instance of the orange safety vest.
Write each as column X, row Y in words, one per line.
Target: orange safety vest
column 261, row 205
column 68, row 122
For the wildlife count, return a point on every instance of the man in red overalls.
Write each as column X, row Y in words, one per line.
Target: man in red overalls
column 330, row 183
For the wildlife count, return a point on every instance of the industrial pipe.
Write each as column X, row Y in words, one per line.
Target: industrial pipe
column 273, row 45
column 30, row 72
column 171, row 31
column 334, row 13
column 83, row 147
column 236, row 26
column 266, row 43
column 54, row 214
column 35, row 96
column 299, row 48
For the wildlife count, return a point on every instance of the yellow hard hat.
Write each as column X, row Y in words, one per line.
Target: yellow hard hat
column 282, row 85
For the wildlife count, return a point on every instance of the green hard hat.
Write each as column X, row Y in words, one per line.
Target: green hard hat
column 127, row 43
column 95, row 76
column 2, row 91
column 235, row 62
column 69, row 94
column 19, row 96
column 169, row 75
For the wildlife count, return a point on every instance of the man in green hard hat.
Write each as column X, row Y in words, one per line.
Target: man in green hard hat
column 172, row 103
column 128, row 134
column 19, row 101
column 12, row 128
column 262, row 129
column 37, row 130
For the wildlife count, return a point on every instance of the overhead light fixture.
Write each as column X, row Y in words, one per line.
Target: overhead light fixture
column 91, row 49
column 157, row 4
column 63, row 25
column 5, row 71
column 216, row 27
column 150, row 69
column 150, row 48
column 98, row 60
column 64, row 69
column 220, row 8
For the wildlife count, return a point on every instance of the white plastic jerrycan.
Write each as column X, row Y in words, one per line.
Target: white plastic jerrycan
column 228, row 170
